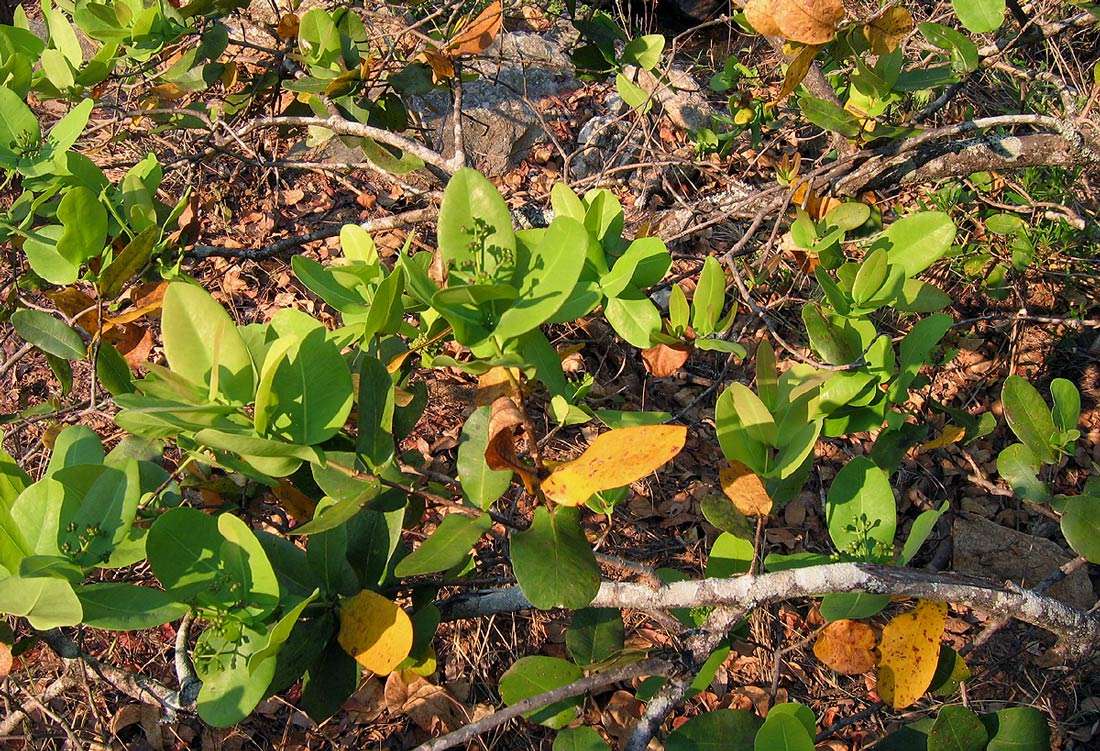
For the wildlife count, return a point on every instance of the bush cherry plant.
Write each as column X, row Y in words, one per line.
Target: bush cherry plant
column 316, row 417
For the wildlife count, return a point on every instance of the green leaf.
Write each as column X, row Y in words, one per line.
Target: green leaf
column 917, row 241
column 203, row 345
column 919, row 532
column 634, row 95
column 980, row 16
column 48, row 333
column 915, row 350
column 553, row 561
column 579, row 739
column 40, row 246
column 1067, row 404
column 860, row 511
column 537, row 674
column 475, row 227
column 244, row 557
column 113, row 371
column 718, row 730
column 545, row 277
column 329, row 682
column 783, row 732
column 644, row 51
column 870, row 277
column 85, row 223
column 595, row 635
column 184, row 547
column 1017, row 729
column 480, row 484
column 76, row 444
column 730, row 555
column 921, row 297
column 753, row 414
column 305, row 393
column 852, row 605
column 1019, row 467
column 250, row 445
column 446, row 547
column 1081, row 525
column 18, row 124
column 709, row 298
column 99, row 498
column 829, row 116
column 44, row 601
column 230, row 690
column 635, row 318
column 800, row 712
column 964, row 53
column 1029, row 417
column 281, row 631
column 826, row 338
column 951, row 671
column 119, row 606
column 128, row 263
column 957, row 729
column 644, row 263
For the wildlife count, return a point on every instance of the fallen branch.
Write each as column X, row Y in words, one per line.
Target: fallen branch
column 1080, row 629
column 588, row 683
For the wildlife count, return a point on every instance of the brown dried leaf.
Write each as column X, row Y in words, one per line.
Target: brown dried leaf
column 500, row 452
column 808, row 21
column 759, row 15
column 664, row 360
column 478, row 35
column 299, row 505
column 288, row 26
column 429, row 706
column 495, row 383
column 5, row 660
column 742, row 486
column 797, row 70
column 145, row 715
column 847, row 647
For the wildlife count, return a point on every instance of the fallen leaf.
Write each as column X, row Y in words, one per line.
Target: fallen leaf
column 5, row 660
column 949, row 435
column 366, row 704
column 478, row 35
column 299, row 505
column 616, row 458
column 909, row 652
column 146, row 715
column 495, row 383
column 886, row 32
column 288, row 26
column 742, row 486
column 375, row 631
column 759, row 15
column 847, row 647
column 426, row 704
column 664, row 360
column 500, row 450
column 442, row 68
column 808, row 21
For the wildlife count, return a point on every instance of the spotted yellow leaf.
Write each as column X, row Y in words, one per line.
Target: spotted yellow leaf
column 615, row 458
column 375, row 631
column 909, row 652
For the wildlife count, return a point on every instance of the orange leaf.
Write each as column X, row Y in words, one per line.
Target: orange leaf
column 909, row 652
column 479, row 34
column 616, row 458
column 442, row 68
column 664, row 360
column 742, row 486
column 808, row 21
column 847, row 647
column 297, row 504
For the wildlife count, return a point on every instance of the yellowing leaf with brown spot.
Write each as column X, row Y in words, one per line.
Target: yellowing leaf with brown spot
column 797, row 70
column 886, row 32
column 375, row 631
column 615, row 458
column 479, row 34
column 909, row 652
column 759, row 15
column 742, row 486
column 808, row 21
column 847, row 647
column 950, row 434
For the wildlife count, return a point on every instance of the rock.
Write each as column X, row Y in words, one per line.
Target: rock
column 679, row 95
column 499, row 127
column 989, row 550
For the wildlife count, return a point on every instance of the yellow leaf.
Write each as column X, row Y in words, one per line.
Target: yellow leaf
column 759, row 15
column 797, row 70
column 909, row 652
column 847, row 647
column 375, row 631
column 886, row 32
column 495, row 383
column 615, row 458
column 477, row 35
column 950, row 434
column 742, row 486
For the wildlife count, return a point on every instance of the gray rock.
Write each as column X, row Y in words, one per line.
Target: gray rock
column 992, row 551
column 519, row 71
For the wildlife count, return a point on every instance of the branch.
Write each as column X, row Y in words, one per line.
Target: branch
column 1081, row 629
column 588, row 683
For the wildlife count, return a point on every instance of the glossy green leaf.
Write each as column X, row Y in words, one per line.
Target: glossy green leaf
column 537, row 674
column 128, row 263
column 595, row 635
column 1017, row 729
column 1019, row 467
column 957, row 728
column 120, row 606
column 718, row 730
column 860, row 511
column 829, row 116
column 634, row 318
column 1067, row 404
column 1029, row 417
column 783, row 732
column 475, row 227
column 44, row 601
column 48, row 333
column 709, row 298
column 481, row 484
column 916, row 241
column 446, row 547
column 1081, row 525
column 980, row 16
column 579, row 739
column 553, row 560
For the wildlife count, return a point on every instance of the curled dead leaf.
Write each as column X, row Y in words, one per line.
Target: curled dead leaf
column 495, row 383
column 664, row 360
column 430, row 706
column 478, row 35
column 5, row 660
column 500, row 452
column 745, row 489
column 847, row 647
